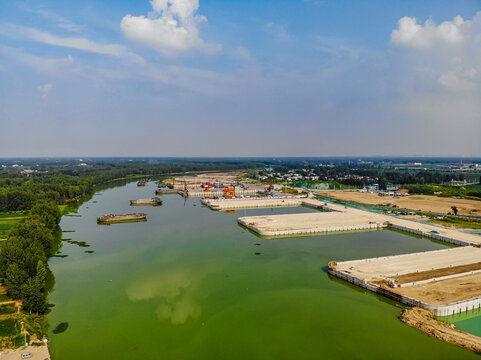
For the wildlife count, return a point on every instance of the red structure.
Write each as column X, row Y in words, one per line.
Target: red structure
column 229, row 192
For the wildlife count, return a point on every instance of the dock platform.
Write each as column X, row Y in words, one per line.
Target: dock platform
column 445, row 282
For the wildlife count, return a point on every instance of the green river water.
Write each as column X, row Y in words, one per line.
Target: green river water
column 191, row 284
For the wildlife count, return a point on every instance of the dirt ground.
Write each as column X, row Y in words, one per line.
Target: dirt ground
column 423, row 320
column 38, row 353
column 379, row 269
column 445, row 291
column 424, row 275
column 413, row 202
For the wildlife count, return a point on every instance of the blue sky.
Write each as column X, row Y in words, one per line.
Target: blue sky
column 240, row 78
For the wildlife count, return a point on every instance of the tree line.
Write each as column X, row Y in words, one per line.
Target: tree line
column 59, row 183
column 23, row 259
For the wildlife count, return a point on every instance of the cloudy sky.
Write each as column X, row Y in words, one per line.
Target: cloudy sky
column 240, row 78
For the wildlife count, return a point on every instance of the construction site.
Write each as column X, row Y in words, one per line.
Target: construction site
column 445, row 282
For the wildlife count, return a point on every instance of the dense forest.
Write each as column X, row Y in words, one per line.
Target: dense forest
column 23, row 259
column 60, row 182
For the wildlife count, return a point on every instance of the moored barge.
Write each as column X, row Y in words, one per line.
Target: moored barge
column 153, row 201
column 111, row 218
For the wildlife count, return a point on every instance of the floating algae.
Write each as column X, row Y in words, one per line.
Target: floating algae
column 78, row 243
column 60, row 256
column 60, row 328
column 89, row 251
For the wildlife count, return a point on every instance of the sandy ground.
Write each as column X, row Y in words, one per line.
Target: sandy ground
column 444, row 291
column 38, row 352
column 348, row 216
column 305, row 221
column 423, row 320
column 380, row 268
column 413, row 202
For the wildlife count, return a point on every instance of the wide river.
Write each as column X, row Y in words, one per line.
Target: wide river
column 191, row 284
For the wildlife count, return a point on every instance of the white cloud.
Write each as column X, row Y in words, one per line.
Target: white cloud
column 171, row 27
column 412, row 34
column 61, row 21
column 460, row 79
column 336, row 47
column 27, row 33
column 277, row 31
column 45, row 90
column 438, row 69
column 50, row 66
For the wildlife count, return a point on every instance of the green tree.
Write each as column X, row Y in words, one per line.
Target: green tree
column 24, row 252
column 33, row 229
column 41, row 274
column 382, row 183
column 455, row 210
column 48, row 212
column 15, row 277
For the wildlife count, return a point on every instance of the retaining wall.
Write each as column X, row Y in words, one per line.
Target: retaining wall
column 315, row 230
column 430, row 235
column 438, row 310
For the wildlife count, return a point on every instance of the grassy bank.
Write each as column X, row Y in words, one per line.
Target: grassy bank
column 458, row 222
column 8, row 220
column 472, row 192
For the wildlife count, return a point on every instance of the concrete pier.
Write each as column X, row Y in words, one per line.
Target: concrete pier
column 442, row 295
column 309, row 223
column 200, row 193
column 261, row 202
column 348, row 219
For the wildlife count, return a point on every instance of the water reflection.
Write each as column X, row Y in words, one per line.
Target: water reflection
column 177, row 292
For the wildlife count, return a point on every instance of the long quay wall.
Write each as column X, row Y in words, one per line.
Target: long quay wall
column 312, row 231
column 375, row 273
column 438, row 310
column 215, row 193
column 352, row 217
column 261, row 202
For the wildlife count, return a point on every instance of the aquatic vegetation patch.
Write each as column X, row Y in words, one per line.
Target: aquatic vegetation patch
column 60, row 328
column 78, row 243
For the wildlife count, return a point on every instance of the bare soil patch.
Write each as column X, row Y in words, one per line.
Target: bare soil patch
column 444, row 291
column 423, row 320
column 413, row 202
column 424, row 275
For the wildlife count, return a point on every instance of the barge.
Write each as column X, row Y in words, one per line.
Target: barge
column 111, row 218
column 153, row 201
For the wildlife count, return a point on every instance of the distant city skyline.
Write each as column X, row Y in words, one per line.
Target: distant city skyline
column 243, row 78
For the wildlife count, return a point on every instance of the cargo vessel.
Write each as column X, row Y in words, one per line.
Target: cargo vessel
column 111, row 218
column 154, row 201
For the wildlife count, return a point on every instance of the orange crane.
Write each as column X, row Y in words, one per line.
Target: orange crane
column 229, row 192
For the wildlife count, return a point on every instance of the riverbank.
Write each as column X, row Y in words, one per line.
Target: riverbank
column 425, row 321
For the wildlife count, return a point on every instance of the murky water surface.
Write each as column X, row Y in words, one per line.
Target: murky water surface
column 191, row 284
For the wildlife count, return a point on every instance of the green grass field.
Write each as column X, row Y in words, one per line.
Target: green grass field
column 9, row 327
column 8, row 220
column 8, row 309
column 460, row 223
